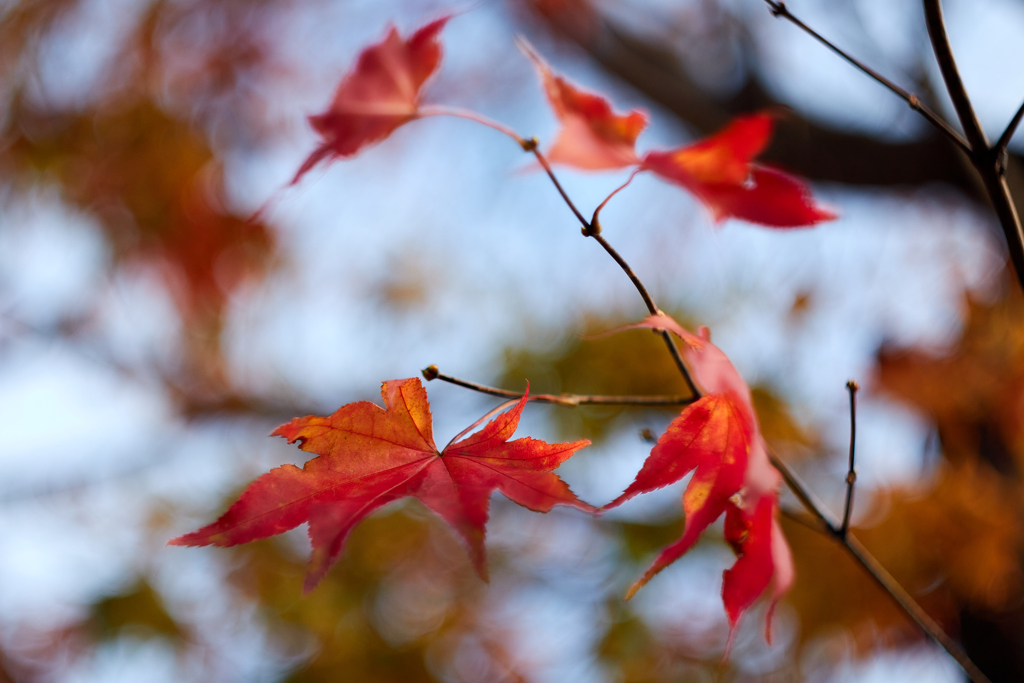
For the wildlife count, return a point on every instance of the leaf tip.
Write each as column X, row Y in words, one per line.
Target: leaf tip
column 289, row 430
column 185, row 540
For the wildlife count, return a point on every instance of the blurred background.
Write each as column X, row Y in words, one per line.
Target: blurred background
column 151, row 338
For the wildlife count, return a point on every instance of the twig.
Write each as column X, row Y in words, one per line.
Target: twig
column 851, row 473
column 588, row 229
column 779, row 9
column 1004, row 139
column 877, row 572
column 633, row 277
column 594, row 230
column 988, row 161
column 800, row 519
column 570, row 400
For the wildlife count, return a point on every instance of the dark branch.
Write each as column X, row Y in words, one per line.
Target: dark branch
column 851, row 473
column 432, row 373
column 951, row 75
column 877, row 572
column 594, row 230
column 1004, row 139
column 588, row 229
column 986, row 160
column 779, row 9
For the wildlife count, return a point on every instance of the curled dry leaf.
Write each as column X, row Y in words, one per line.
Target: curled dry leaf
column 721, row 172
column 719, row 440
column 370, row 456
column 381, row 93
column 593, row 136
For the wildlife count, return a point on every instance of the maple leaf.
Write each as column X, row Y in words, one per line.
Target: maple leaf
column 720, row 171
column 593, row 136
column 381, row 93
column 718, row 438
column 370, row 456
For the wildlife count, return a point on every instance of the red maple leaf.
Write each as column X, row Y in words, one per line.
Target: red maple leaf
column 592, row 136
column 720, row 171
column 381, row 93
column 369, row 457
column 719, row 440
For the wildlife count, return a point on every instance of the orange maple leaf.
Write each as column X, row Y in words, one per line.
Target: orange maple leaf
column 370, row 456
column 592, row 136
column 381, row 93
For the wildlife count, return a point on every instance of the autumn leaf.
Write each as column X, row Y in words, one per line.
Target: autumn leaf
column 718, row 439
column 711, row 440
column 720, row 171
column 593, row 136
column 370, row 456
column 381, row 93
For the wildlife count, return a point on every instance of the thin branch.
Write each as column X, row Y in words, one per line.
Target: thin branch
column 570, row 400
column 1004, row 139
column 779, row 9
column 802, row 520
column 851, row 473
column 652, row 308
column 906, row 602
column 588, row 229
column 877, row 572
column 594, row 230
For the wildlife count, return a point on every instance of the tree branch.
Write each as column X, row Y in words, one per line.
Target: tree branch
column 851, row 473
column 951, row 75
column 883, row 578
column 594, row 230
column 1011, row 128
column 779, row 9
column 987, row 160
column 570, row 400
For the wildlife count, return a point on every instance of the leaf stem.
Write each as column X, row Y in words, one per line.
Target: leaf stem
column 458, row 112
column 473, row 426
column 594, row 219
column 570, row 400
column 851, row 473
column 779, row 9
